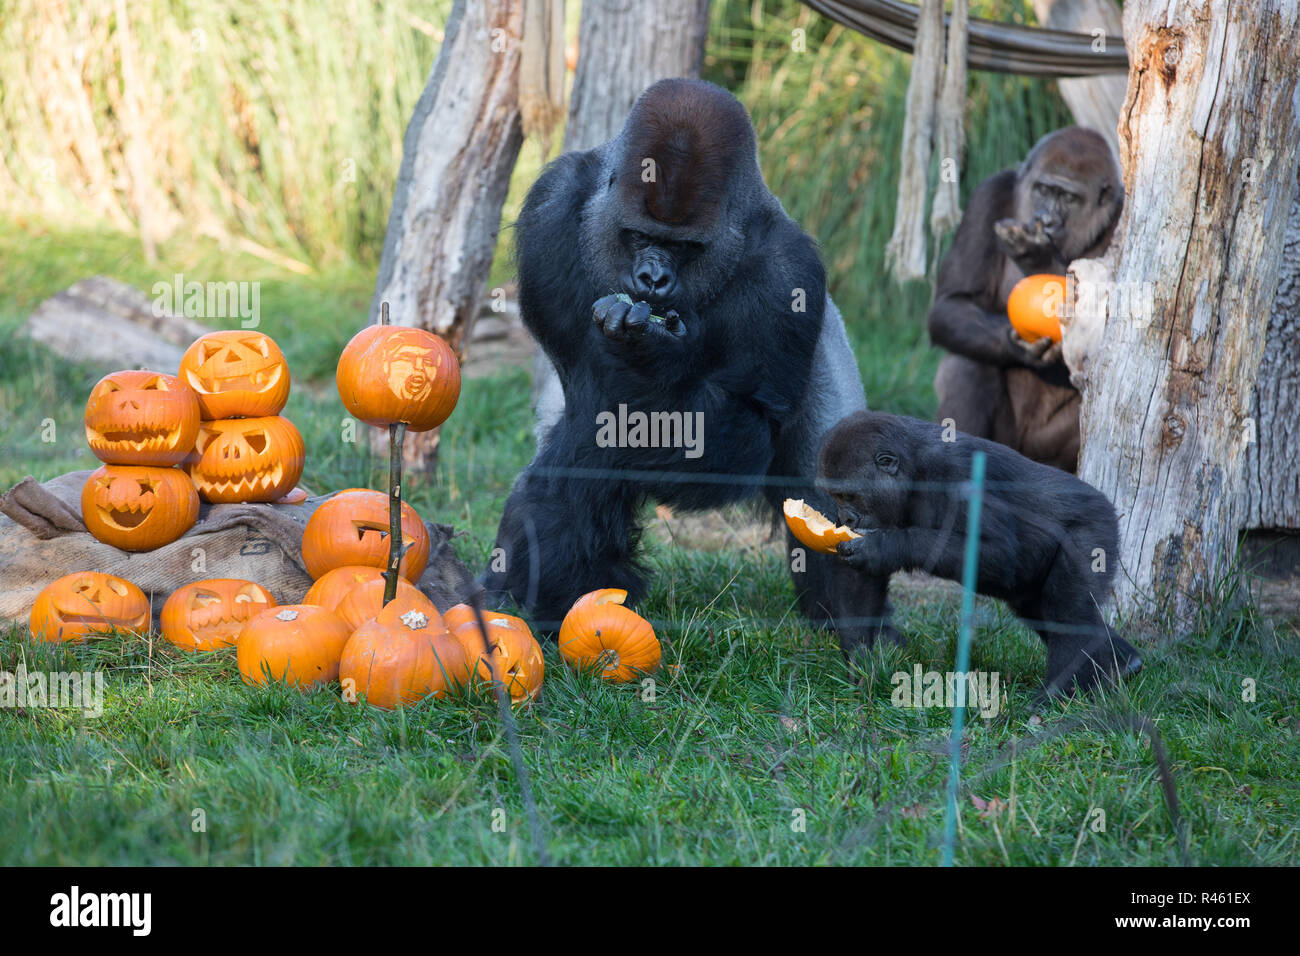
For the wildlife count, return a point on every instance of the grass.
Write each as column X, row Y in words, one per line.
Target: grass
column 757, row 745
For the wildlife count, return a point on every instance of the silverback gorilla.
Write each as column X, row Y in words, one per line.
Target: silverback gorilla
column 661, row 277
column 1060, row 205
column 1047, row 539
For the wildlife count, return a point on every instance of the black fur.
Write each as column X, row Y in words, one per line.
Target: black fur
column 904, row 488
column 706, row 246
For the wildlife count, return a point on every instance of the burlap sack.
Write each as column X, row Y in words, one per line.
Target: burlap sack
column 42, row 538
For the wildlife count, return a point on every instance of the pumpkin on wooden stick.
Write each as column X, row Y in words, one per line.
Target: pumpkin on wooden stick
column 401, row 657
column 353, row 528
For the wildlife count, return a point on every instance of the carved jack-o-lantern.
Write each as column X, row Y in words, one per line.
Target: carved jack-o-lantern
column 209, row 614
column 138, row 507
column 247, row 459
column 88, row 602
column 389, row 374
column 352, row 528
column 237, row 373
column 141, row 418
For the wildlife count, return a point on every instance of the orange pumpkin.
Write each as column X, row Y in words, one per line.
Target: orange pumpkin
column 334, row 585
column 209, row 614
column 352, row 528
column 141, row 418
column 1034, row 307
column 401, row 657
column 239, row 373
column 511, row 656
column 460, row 614
column 138, row 507
column 88, row 602
column 813, row 529
column 298, row 644
column 247, row 459
column 364, row 602
column 392, row 373
column 599, row 634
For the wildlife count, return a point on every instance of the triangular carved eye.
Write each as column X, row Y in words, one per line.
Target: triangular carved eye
column 111, row 386
column 256, row 441
column 154, row 384
column 258, row 345
column 204, row 440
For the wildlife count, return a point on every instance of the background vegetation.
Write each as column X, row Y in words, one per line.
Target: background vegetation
column 233, row 147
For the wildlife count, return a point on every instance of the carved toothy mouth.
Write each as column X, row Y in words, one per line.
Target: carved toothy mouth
column 243, row 484
column 260, row 380
column 135, row 438
column 212, row 619
column 124, row 503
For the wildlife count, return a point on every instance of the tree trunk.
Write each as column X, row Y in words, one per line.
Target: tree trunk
column 1208, row 141
column 1095, row 101
column 457, row 157
column 623, row 47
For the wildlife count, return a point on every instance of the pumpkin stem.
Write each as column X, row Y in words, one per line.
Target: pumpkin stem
column 396, row 435
column 383, row 313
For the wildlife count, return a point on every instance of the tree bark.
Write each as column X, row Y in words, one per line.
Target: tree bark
column 1208, row 141
column 1095, row 101
column 1273, row 458
column 459, row 151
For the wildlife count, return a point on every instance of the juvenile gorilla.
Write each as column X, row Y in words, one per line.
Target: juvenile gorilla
column 902, row 486
column 657, row 272
column 1060, row 205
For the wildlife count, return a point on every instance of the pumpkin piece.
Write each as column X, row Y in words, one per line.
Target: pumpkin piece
column 510, row 655
column 363, row 602
column 352, row 529
column 460, row 614
column 599, row 634
column 813, row 529
column 138, row 507
column 209, row 614
column 334, row 585
column 298, row 644
column 247, row 459
column 1034, row 307
column 88, row 602
column 238, row 373
column 141, row 418
column 401, row 657
column 391, row 373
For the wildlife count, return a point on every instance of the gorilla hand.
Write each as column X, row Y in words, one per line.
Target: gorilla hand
column 1042, row 354
column 869, row 553
column 1027, row 244
column 630, row 322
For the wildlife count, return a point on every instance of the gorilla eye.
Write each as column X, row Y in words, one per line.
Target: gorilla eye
column 887, row 462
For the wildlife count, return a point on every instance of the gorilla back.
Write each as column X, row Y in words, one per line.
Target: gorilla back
column 670, row 291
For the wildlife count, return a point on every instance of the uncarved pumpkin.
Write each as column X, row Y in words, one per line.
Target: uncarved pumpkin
column 352, row 528
column 247, row 459
column 401, row 657
column 363, row 602
column 298, row 644
column 599, row 634
column 239, row 373
column 391, row 373
column 334, row 585
column 88, row 602
column 138, row 507
column 1034, row 307
column 512, row 656
column 141, row 418
column 209, row 614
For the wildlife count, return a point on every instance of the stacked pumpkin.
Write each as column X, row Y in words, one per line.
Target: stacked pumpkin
column 244, row 450
column 141, row 424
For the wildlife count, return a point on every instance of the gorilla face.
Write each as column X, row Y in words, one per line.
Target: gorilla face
column 666, row 226
column 1070, row 184
column 865, row 467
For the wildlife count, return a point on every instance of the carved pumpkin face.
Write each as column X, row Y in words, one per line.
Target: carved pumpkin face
column 390, row 373
column 141, row 418
column 88, row 602
column 352, row 528
column 600, row 635
column 138, row 507
column 298, row 644
column 247, row 459
column 239, row 373
column 209, row 614
column 401, row 657
column 459, row 614
column 511, row 656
